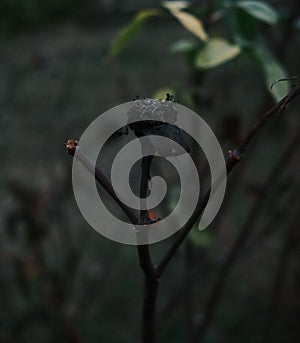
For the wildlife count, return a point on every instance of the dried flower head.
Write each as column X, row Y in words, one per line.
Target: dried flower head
column 154, row 110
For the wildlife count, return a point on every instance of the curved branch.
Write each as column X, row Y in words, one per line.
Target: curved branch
column 152, row 273
column 234, row 158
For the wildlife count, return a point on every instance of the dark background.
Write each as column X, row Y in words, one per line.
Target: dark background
column 60, row 281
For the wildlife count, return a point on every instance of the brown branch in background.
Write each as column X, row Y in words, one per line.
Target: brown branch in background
column 36, row 281
column 280, row 275
column 280, row 214
column 242, row 238
column 233, row 159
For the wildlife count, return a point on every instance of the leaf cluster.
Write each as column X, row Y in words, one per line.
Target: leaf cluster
column 240, row 25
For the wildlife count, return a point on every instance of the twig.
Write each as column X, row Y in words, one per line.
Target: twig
column 279, row 216
column 241, row 239
column 233, row 159
column 150, row 272
column 74, row 150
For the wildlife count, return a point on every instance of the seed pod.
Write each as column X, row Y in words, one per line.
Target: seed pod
column 155, row 110
column 157, row 113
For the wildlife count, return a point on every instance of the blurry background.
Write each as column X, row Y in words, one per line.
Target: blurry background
column 60, row 281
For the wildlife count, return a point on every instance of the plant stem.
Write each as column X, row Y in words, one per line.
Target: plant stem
column 152, row 273
column 150, row 296
column 234, row 157
column 243, row 235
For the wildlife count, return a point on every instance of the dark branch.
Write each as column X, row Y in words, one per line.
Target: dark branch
column 151, row 279
column 74, row 150
column 233, row 159
column 242, row 238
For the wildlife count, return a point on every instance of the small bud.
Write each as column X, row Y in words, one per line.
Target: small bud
column 234, row 155
column 71, row 145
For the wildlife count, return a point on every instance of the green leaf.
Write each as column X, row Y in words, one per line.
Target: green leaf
column 244, row 27
column 217, row 51
column 187, row 20
column 183, row 46
column 273, row 71
column 260, row 10
column 130, row 31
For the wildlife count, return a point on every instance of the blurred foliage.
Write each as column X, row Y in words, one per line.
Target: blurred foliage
column 217, row 51
column 130, row 31
column 242, row 35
